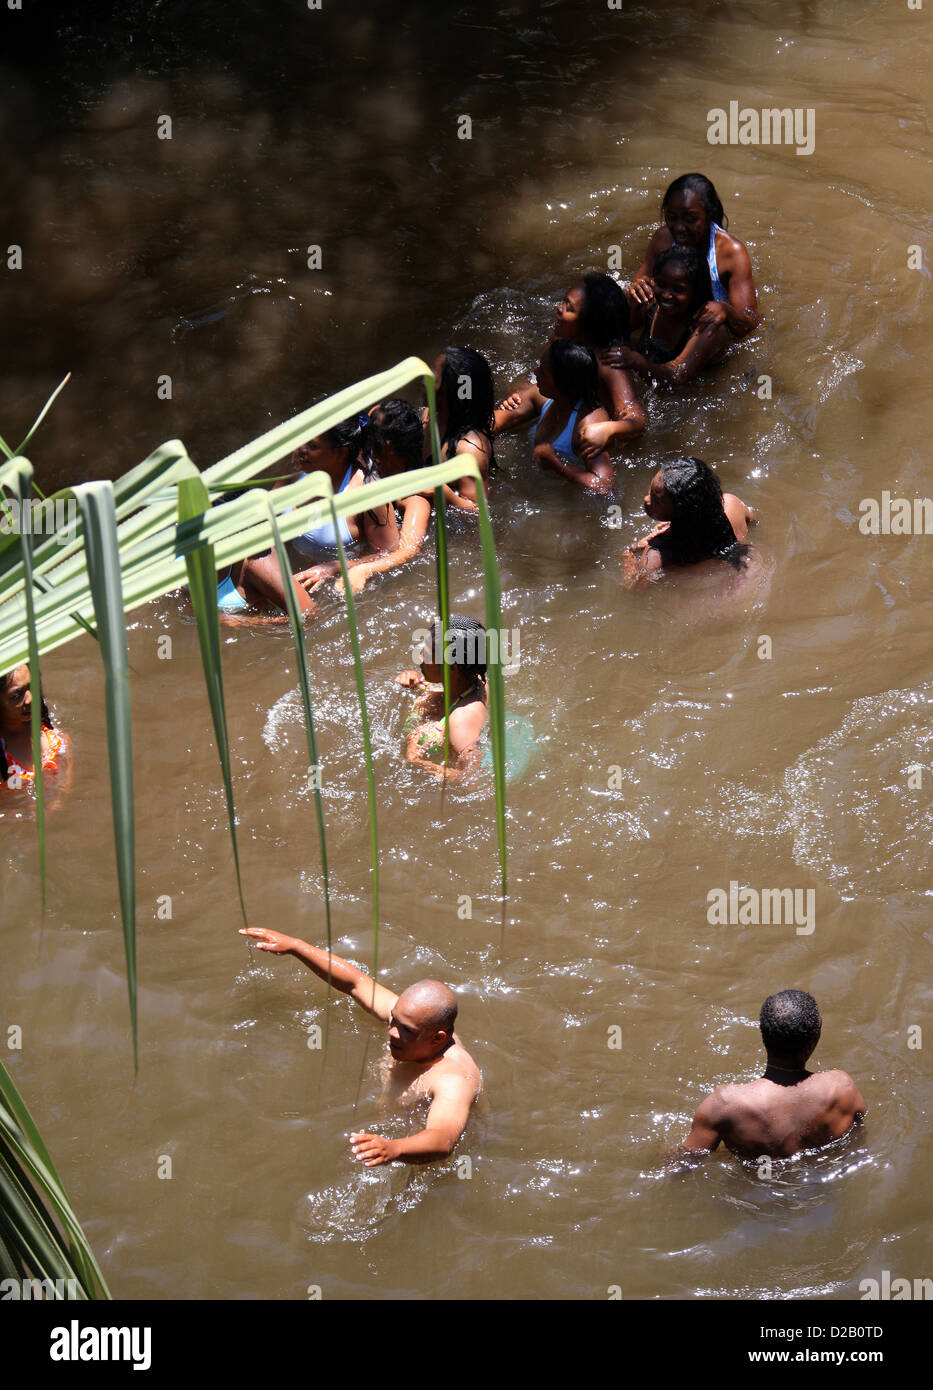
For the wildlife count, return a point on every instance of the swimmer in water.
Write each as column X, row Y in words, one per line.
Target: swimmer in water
column 594, row 312
column 788, row 1108
column 565, row 395
column 256, row 584
column 671, row 348
column 693, row 216
column 428, row 1060
column 394, row 445
column 465, row 652
column 466, row 399
column 17, row 768
column 696, row 522
column 337, row 452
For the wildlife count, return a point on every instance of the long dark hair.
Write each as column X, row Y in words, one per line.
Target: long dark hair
column 474, row 412
column 701, row 187
column 576, row 375
column 700, row 530
column 604, row 316
column 694, row 266
column 397, row 423
column 46, row 720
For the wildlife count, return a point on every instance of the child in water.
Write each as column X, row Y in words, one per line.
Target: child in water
column 671, row 348
column 696, row 522
column 566, row 400
column 464, row 651
column 16, row 763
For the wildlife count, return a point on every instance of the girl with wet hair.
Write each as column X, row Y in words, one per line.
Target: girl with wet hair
column 462, row 648
column 465, row 405
column 693, row 216
column 16, row 763
column 594, row 313
column 394, row 444
column 566, row 397
column 338, row 453
column 671, row 349
column 696, row 522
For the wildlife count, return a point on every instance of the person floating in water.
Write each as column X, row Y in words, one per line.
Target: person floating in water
column 464, row 651
column 465, row 402
column 566, row 398
column 17, row 768
column 696, row 522
column 789, row 1108
column 593, row 312
column 428, row 1060
column 671, row 348
column 693, row 216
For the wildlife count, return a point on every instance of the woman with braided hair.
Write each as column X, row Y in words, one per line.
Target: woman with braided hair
column 463, row 649
column 696, row 522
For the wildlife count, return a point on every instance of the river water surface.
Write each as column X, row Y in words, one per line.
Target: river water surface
column 670, row 758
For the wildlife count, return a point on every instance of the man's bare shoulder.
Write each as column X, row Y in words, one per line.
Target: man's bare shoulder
column 455, row 1072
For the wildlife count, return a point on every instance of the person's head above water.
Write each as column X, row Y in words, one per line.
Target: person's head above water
column 421, row 1025
column 681, row 277
column 594, row 311
column 16, row 701
column 790, row 1027
column 332, row 452
column 462, row 647
column 690, row 207
column 568, row 371
column 395, row 438
column 686, row 492
column 466, row 399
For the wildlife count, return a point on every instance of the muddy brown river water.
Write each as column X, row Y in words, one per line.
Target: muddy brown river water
column 670, row 758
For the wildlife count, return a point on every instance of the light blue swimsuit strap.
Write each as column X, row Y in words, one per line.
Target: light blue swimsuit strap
column 324, row 534
column 563, row 444
column 718, row 290
column 228, row 595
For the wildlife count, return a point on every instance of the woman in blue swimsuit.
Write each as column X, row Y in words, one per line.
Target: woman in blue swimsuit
column 566, row 399
column 337, row 453
column 693, row 216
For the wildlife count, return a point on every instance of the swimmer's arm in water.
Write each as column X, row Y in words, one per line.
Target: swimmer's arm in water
column 349, row 979
column 641, row 564
column 627, row 415
column 706, row 1132
column 522, row 405
column 703, row 346
column 447, row 1119
column 261, row 575
column 739, row 313
column 414, row 529
column 740, row 516
column 466, row 486
column 598, row 478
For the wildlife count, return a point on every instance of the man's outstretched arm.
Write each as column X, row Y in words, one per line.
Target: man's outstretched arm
column 349, row 979
column 447, row 1119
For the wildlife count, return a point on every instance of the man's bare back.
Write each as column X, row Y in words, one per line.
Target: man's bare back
column 789, row 1108
column 777, row 1118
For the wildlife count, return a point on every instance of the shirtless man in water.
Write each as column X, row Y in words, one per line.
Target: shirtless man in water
column 428, row 1060
column 789, row 1108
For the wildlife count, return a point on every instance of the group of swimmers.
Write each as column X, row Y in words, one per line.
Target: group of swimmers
column 691, row 298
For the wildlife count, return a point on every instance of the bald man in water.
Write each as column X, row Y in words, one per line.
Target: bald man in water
column 428, row 1060
column 789, row 1108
